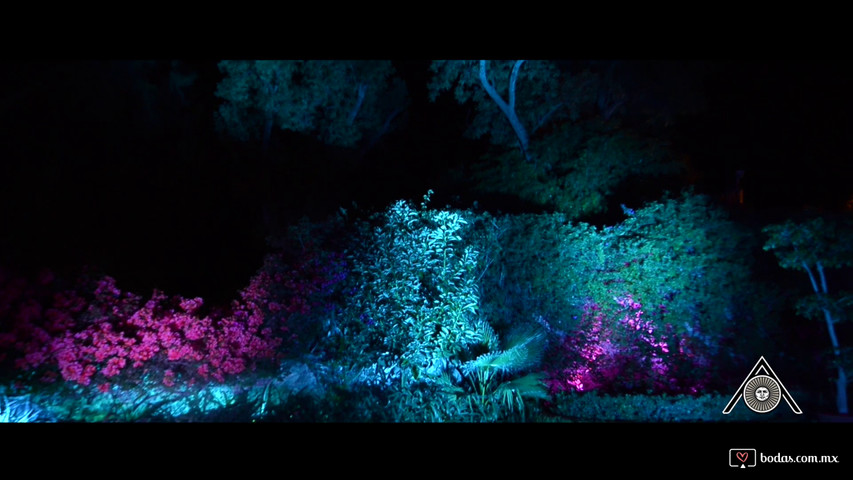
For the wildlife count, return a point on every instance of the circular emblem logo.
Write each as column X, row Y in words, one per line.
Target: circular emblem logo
column 761, row 394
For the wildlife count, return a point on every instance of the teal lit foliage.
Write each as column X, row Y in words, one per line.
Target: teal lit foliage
column 340, row 103
column 802, row 245
column 681, row 258
column 576, row 172
column 413, row 325
column 553, row 136
column 20, row 410
column 490, row 393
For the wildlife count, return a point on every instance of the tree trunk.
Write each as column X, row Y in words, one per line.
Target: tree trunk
column 840, row 382
column 362, row 90
column 508, row 108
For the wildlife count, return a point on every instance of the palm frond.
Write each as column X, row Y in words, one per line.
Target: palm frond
column 528, row 386
column 523, row 351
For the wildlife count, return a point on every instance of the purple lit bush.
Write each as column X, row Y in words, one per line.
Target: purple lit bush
column 614, row 350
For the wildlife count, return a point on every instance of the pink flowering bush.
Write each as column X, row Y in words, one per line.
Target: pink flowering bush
column 115, row 335
column 95, row 334
column 615, row 350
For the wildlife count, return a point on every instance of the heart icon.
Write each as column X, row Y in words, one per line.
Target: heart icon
column 742, row 456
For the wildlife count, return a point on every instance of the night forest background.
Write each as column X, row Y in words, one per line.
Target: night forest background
column 96, row 150
column 128, row 165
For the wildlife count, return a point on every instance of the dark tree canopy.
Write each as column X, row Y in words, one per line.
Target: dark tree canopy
column 341, row 103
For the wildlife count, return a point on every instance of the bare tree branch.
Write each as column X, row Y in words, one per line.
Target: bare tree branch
column 362, row 90
column 508, row 109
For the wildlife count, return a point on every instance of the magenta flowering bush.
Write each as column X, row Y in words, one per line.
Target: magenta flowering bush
column 95, row 334
column 615, row 350
column 114, row 335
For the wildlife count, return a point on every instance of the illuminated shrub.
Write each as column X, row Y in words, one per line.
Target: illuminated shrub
column 680, row 257
column 415, row 292
column 118, row 337
column 95, row 334
column 412, row 327
column 616, row 350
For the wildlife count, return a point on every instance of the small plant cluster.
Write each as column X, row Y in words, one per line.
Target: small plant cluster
column 617, row 351
column 19, row 410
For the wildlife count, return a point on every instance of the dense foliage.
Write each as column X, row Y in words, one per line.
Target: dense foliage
column 681, row 258
column 412, row 322
column 577, row 172
column 420, row 314
column 551, row 131
column 340, row 103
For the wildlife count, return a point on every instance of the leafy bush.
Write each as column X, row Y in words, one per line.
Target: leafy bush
column 412, row 323
column 679, row 257
column 616, row 351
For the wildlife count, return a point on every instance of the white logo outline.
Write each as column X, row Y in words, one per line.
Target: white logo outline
column 756, row 371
